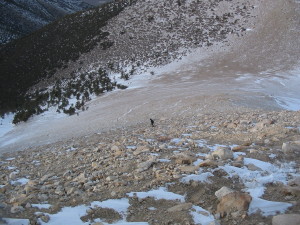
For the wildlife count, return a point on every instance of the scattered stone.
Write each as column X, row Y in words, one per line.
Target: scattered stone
column 239, row 148
column 261, row 125
column 81, row 178
column 111, row 178
column 145, row 165
column 16, row 209
column 115, row 148
column 13, row 175
column 222, row 153
column 45, row 218
column 291, row 190
column 291, row 147
column 233, row 202
column 240, row 159
column 47, row 176
column 223, row 191
column 294, row 182
column 95, row 165
column 252, row 167
column 163, row 138
column 188, row 169
column 184, row 158
column 141, row 149
column 253, row 151
column 215, row 222
column 208, row 163
column 180, row 207
column 237, row 164
column 286, row 219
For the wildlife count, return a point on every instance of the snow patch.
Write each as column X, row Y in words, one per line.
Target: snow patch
column 267, row 208
column 119, row 205
column 11, row 221
column 21, row 181
column 201, row 216
column 203, row 178
column 6, row 124
column 160, row 193
column 41, row 206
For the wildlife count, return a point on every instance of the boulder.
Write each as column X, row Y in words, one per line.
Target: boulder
column 286, row 219
column 16, row 209
column 234, row 202
column 47, row 176
column 13, row 175
column 81, row 178
column 145, row 165
column 252, row 167
column 294, row 182
column 239, row 148
column 291, row 147
column 291, row 190
column 114, row 148
column 222, row 153
column 184, row 158
column 293, row 187
column 223, row 191
column 141, row 149
column 208, row 163
column 95, row 165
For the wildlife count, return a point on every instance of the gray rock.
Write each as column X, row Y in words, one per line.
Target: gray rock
column 13, row 175
column 223, row 191
column 291, row 147
column 47, row 176
column 252, row 167
column 180, row 207
column 16, row 209
column 185, row 158
column 45, row 218
column 286, row 219
column 140, row 149
column 145, row 165
column 215, row 222
column 81, row 178
column 111, row 178
column 222, row 153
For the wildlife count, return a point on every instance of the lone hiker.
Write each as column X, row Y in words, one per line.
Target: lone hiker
column 152, row 122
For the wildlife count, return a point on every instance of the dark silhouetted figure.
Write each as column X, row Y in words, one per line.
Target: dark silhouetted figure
column 152, row 122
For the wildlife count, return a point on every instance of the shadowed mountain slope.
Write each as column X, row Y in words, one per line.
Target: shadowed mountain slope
column 26, row 61
column 19, row 18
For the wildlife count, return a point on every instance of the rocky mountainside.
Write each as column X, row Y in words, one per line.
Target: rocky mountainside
column 234, row 167
column 20, row 18
column 146, row 34
column 221, row 150
column 26, row 61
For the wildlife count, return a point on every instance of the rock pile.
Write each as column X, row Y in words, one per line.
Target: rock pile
column 187, row 156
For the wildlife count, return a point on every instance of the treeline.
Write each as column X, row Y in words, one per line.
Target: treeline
column 80, row 88
column 26, row 61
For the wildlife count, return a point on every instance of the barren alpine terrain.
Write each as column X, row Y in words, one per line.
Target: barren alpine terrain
column 224, row 148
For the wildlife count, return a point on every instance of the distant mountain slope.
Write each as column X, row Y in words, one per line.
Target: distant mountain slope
column 96, row 2
column 21, row 17
column 110, row 40
column 27, row 61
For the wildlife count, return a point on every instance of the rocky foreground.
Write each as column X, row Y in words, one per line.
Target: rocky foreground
column 207, row 168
